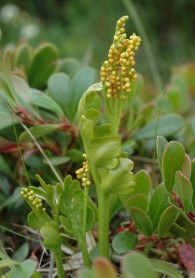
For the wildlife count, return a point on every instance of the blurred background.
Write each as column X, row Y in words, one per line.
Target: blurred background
column 84, row 29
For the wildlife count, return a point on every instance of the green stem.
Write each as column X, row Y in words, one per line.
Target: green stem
column 59, row 264
column 83, row 244
column 103, row 224
column 116, row 115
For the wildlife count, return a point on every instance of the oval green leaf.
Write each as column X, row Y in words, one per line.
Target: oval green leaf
column 136, row 265
column 37, row 132
column 184, row 190
column 142, row 221
column 43, row 64
column 143, row 183
column 167, row 220
column 158, row 204
column 138, row 201
column 124, row 241
column 172, row 161
column 168, row 125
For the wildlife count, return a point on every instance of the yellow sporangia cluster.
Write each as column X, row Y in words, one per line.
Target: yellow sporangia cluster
column 118, row 72
column 32, row 199
column 83, row 173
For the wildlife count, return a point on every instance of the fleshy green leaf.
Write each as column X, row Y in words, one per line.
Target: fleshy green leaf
column 158, row 204
column 124, row 241
column 136, row 265
column 70, row 66
column 192, row 179
column 37, row 132
column 33, row 221
column 172, row 161
column 161, row 143
column 81, row 81
column 21, row 55
column 5, row 117
column 25, row 269
column 186, row 167
column 142, row 221
column 42, row 100
column 177, row 230
column 176, row 122
column 43, row 64
column 184, row 190
column 51, row 235
column 21, row 253
column 59, row 88
column 142, row 183
column 138, row 201
column 166, row 268
column 167, row 219
column 58, row 160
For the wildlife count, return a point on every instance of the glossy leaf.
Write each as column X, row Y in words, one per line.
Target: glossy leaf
column 184, row 190
column 167, row 219
column 25, row 269
column 143, row 183
column 166, row 268
column 186, row 167
column 172, row 161
column 33, row 221
column 4, row 166
column 59, row 88
column 70, row 66
column 42, row 100
column 177, row 230
column 23, row 93
column 124, row 241
column 136, row 265
column 192, row 180
column 138, row 201
column 161, row 143
column 142, row 221
column 176, row 122
column 5, row 117
column 37, row 132
column 21, row 253
column 21, row 55
column 75, row 155
column 51, row 235
column 81, row 81
column 158, row 204
column 43, row 64
column 58, row 160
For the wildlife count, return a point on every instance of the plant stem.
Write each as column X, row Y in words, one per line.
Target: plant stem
column 59, row 264
column 103, row 224
column 83, row 244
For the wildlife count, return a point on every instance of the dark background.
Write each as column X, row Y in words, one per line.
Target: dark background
column 84, row 28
